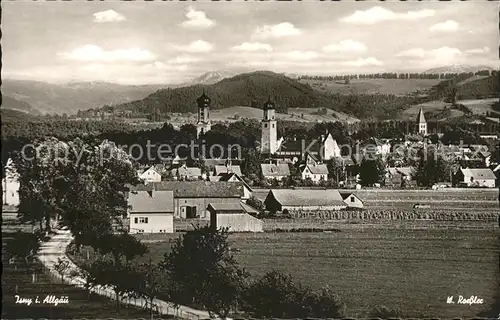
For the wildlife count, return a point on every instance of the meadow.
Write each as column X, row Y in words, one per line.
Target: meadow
column 410, row 270
column 373, row 86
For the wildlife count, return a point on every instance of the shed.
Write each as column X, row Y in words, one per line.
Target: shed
column 304, row 199
column 235, row 216
column 151, row 212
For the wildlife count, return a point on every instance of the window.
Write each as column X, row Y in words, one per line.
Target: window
column 352, row 199
column 273, row 125
column 143, row 219
column 265, row 125
column 136, row 220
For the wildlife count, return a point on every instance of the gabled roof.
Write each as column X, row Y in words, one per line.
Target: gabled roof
column 151, row 202
column 228, row 208
column 219, row 169
column 479, row 174
column 196, row 189
column 346, row 195
column 317, row 169
column 307, row 197
column 187, row 171
column 299, row 145
column 274, row 170
column 150, row 169
column 228, row 176
column 421, row 117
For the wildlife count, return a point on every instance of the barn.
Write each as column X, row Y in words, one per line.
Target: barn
column 352, row 200
column 303, row 200
column 235, row 216
column 151, row 212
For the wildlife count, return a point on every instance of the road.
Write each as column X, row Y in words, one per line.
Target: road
column 55, row 248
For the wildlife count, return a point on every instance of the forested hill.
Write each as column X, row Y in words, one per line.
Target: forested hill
column 249, row 89
column 475, row 87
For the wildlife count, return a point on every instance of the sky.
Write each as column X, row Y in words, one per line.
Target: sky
column 173, row 42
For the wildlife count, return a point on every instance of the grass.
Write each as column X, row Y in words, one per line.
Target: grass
column 373, row 86
column 78, row 307
column 412, row 270
column 477, row 106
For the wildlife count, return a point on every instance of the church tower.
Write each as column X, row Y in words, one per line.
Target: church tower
column 203, row 125
column 269, row 140
column 422, row 123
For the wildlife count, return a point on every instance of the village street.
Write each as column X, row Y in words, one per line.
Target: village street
column 55, row 248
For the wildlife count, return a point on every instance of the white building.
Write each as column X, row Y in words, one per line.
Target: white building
column 269, row 140
column 275, row 171
column 150, row 175
column 315, row 172
column 330, row 147
column 477, row 177
column 422, row 123
column 10, row 185
column 151, row 212
column 352, row 200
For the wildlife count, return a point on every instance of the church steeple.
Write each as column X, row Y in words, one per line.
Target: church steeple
column 269, row 141
column 421, row 123
column 203, row 124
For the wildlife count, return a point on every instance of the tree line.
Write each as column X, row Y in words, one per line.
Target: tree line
column 394, row 75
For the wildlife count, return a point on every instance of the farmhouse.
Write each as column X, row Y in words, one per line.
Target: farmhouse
column 150, row 175
column 398, row 176
column 376, row 146
column 186, row 173
column 191, row 198
column 275, row 171
column 233, row 177
column 10, row 185
column 324, row 148
column 315, row 172
column 286, row 200
column 151, row 212
column 235, row 216
column 476, row 177
column 352, row 200
column 227, row 169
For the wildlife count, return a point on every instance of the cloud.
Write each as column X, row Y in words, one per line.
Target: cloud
column 108, row 16
column 284, row 29
column 197, row 19
column 412, row 53
column 363, row 62
column 97, row 54
column 301, row 55
column 183, row 60
column 434, row 57
column 252, row 47
column 196, row 47
column 447, row 26
column 345, row 46
column 478, row 51
column 379, row 14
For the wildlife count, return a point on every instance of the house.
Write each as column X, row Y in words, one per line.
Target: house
column 376, row 146
column 315, row 172
column 151, row 212
column 476, row 177
column 191, row 198
column 396, row 175
column 227, row 169
column 187, row 173
column 10, row 185
column 275, row 171
column 286, row 200
column 150, row 175
column 233, row 177
column 352, row 200
column 324, row 148
column 235, row 216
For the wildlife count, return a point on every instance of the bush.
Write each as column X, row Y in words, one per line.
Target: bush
column 384, row 313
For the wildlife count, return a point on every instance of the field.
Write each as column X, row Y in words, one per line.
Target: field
column 413, row 270
column 373, row 86
column 294, row 114
column 477, row 106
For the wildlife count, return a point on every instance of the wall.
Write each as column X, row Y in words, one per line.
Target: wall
column 356, row 204
column 201, row 205
column 10, row 190
column 156, row 222
column 239, row 222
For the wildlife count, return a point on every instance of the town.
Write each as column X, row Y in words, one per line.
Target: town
column 200, row 161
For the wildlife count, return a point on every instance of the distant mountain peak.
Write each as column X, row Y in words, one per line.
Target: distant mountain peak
column 212, row 77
